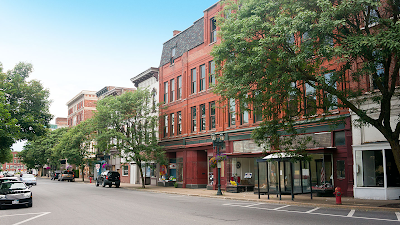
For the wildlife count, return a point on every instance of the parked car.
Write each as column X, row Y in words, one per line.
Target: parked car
column 109, row 178
column 66, row 175
column 6, row 179
column 28, row 179
column 15, row 193
column 55, row 174
column 10, row 174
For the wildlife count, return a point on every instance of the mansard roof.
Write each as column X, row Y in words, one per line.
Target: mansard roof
column 186, row 40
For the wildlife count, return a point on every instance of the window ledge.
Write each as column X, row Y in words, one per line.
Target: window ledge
column 212, row 43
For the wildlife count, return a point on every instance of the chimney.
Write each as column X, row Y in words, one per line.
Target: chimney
column 176, row 32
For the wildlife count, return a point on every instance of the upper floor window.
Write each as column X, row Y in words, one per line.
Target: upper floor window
column 211, row 66
column 310, row 100
column 179, row 84
column 172, row 124
column 173, row 52
column 212, row 115
column 172, row 90
column 179, row 131
column 244, row 117
column 292, row 107
column 202, row 81
column 213, row 30
column 332, row 99
column 165, row 92
column 193, row 77
column 232, row 112
column 166, row 126
column 202, row 117
column 194, row 122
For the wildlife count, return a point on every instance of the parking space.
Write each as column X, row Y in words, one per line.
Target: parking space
column 19, row 219
column 345, row 213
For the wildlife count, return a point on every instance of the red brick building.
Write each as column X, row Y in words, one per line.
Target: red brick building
column 14, row 165
column 81, row 107
column 193, row 113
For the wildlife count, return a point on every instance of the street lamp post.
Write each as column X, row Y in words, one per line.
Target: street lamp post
column 218, row 142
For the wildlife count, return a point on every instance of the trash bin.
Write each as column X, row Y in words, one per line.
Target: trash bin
column 147, row 181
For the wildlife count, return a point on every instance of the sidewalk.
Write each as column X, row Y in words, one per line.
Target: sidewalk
column 304, row 200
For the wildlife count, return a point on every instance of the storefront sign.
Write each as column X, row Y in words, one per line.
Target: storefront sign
column 246, row 146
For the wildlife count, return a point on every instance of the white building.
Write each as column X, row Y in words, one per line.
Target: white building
column 147, row 79
column 375, row 172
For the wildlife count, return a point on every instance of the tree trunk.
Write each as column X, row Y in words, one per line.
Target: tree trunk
column 395, row 145
column 83, row 174
column 141, row 175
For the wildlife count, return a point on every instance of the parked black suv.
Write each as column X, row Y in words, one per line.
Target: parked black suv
column 109, row 178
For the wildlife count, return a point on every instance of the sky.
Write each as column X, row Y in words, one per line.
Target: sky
column 80, row 45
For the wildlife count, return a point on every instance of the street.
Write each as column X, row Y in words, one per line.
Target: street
column 76, row 203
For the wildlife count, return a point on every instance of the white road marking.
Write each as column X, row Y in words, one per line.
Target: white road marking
column 312, row 210
column 351, row 213
column 22, row 214
column 314, row 213
column 35, row 217
column 281, row 207
column 253, row 205
column 398, row 215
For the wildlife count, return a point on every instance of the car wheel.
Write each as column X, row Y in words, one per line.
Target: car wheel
column 1, row 207
column 110, row 185
column 30, row 204
column 97, row 183
column 117, row 185
column 104, row 184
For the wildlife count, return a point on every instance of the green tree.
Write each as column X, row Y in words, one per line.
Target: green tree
column 268, row 46
column 41, row 151
column 75, row 145
column 128, row 123
column 24, row 107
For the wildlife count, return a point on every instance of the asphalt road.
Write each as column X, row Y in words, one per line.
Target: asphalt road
column 73, row 203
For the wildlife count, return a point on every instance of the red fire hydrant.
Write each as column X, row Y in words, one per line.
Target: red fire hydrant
column 90, row 179
column 338, row 194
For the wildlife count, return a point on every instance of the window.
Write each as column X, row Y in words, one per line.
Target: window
column 339, row 138
column 211, row 68
column 310, row 100
column 172, row 124
column 194, row 123
column 172, row 90
column 203, row 117
column 332, row 99
column 212, row 115
column 232, row 112
column 193, row 72
column 340, row 167
column 369, row 168
column 165, row 92
column 125, row 170
column 173, row 51
column 213, row 31
column 380, row 72
column 166, row 126
column 293, row 107
column 179, row 94
column 202, row 81
column 244, row 117
column 179, row 131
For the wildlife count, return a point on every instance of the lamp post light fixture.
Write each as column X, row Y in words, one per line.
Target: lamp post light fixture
column 218, row 142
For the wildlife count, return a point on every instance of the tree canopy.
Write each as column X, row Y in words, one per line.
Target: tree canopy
column 24, row 108
column 128, row 124
column 42, row 151
column 295, row 59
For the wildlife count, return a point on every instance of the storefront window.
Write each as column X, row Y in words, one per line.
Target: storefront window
column 125, row 171
column 369, row 168
column 149, row 169
column 321, row 172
